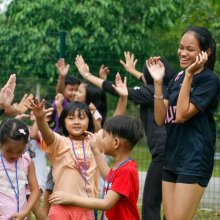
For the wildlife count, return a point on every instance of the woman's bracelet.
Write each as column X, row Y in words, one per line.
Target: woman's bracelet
column 87, row 75
column 158, row 97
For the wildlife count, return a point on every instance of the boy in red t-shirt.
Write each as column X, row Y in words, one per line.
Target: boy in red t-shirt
column 118, row 137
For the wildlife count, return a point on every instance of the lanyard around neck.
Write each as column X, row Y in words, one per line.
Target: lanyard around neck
column 83, row 172
column 16, row 171
column 110, row 179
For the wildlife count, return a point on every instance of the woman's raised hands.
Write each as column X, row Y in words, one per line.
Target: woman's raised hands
column 156, row 68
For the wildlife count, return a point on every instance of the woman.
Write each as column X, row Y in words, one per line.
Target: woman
column 187, row 111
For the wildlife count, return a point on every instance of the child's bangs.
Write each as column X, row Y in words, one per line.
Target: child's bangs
column 78, row 111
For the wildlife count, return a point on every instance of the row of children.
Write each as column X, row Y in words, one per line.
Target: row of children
column 75, row 151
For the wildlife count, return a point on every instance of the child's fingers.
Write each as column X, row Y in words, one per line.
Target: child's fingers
column 88, row 133
column 125, row 81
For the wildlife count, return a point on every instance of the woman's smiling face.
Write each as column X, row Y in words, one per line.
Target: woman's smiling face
column 188, row 49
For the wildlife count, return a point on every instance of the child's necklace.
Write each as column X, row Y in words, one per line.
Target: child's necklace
column 83, row 172
column 110, row 179
column 16, row 171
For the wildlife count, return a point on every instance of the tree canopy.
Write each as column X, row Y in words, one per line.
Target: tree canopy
column 100, row 30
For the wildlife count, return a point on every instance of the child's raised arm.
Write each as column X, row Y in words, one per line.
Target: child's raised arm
column 121, row 88
column 18, row 108
column 103, row 72
column 62, row 70
column 7, row 92
column 40, row 113
column 130, row 66
column 83, row 69
column 95, row 144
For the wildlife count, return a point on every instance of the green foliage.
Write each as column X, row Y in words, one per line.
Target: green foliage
column 97, row 29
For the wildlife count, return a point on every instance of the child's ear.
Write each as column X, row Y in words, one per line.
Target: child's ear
column 117, row 142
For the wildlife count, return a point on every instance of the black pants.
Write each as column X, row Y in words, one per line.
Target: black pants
column 152, row 196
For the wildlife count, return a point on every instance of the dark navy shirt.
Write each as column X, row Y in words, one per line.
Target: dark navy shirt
column 190, row 145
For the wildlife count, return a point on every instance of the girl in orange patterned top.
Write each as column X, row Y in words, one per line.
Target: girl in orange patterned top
column 69, row 151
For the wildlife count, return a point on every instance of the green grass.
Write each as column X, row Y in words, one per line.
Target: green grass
column 142, row 156
column 216, row 171
column 206, row 214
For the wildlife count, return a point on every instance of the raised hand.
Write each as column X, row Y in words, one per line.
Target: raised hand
column 130, row 62
column 82, row 67
column 32, row 116
column 38, row 108
column 7, row 92
column 120, row 87
column 59, row 99
column 62, row 68
column 103, row 72
column 198, row 65
column 22, row 116
column 94, row 139
column 156, row 68
column 22, row 105
column 92, row 108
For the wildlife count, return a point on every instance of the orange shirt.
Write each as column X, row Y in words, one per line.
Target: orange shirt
column 67, row 169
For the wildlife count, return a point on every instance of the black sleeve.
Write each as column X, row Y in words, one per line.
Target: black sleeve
column 139, row 95
column 143, row 95
column 107, row 87
column 204, row 92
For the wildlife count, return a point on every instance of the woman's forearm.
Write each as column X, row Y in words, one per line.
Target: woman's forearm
column 159, row 105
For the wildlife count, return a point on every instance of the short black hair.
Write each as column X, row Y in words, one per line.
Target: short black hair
column 125, row 127
column 71, row 80
column 14, row 129
column 70, row 108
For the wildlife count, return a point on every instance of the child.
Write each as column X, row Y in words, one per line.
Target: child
column 120, row 135
column 66, row 88
column 95, row 98
column 68, row 95
column 67, row 85
column 188, row 112
column 73, row 163
column 16, row 168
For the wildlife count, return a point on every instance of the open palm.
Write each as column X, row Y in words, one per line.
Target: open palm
column 120, row 86
column 156, row 68
column 82, row 67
